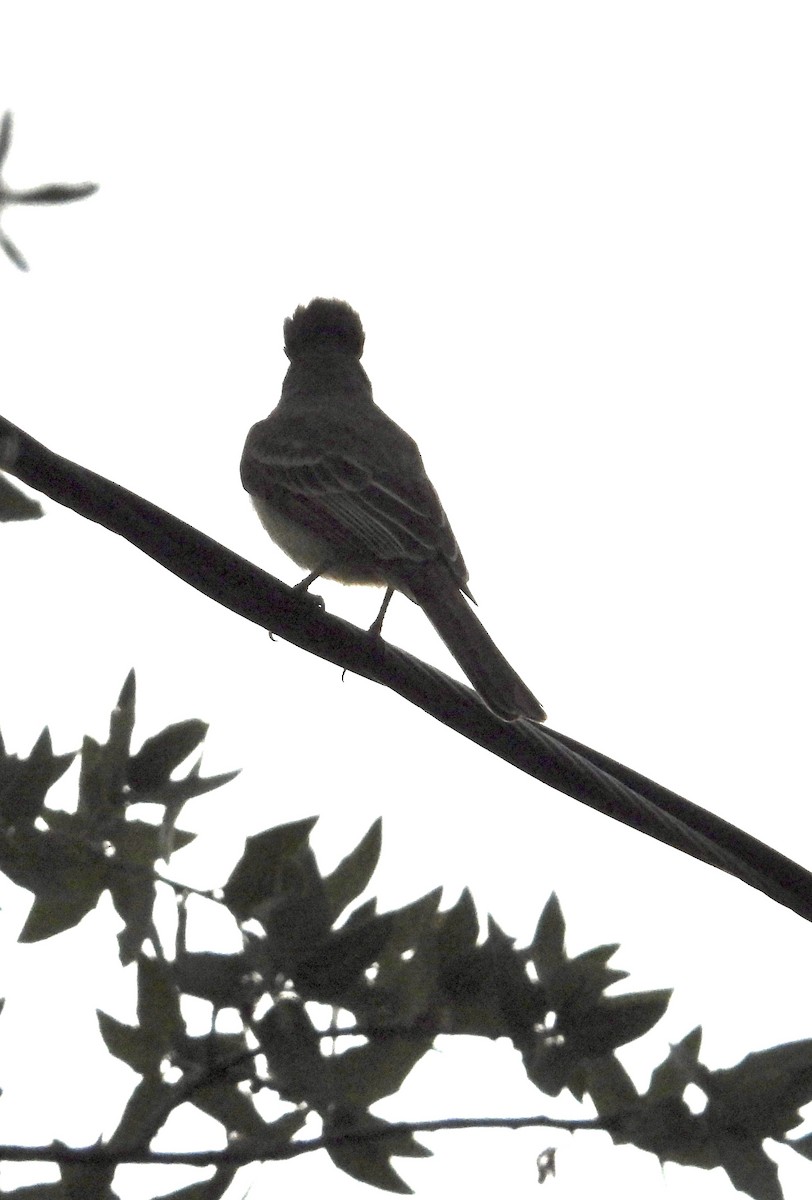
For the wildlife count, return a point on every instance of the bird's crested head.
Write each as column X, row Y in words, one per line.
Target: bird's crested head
column 324, row 325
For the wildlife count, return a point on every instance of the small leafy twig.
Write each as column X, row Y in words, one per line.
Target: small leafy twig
column 48, row 193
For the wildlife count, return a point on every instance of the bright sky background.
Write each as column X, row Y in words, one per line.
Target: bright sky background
column 579, row 239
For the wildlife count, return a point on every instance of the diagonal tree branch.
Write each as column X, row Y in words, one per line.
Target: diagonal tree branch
column 552, row 758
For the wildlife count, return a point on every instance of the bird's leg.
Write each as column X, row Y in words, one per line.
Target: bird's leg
column 305, row 583
column 377, row 624
column 301, row 587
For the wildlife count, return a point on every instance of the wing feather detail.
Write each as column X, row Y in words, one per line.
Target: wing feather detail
column 372, row 513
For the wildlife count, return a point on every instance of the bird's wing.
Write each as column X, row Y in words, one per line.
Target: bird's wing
column 374, row 502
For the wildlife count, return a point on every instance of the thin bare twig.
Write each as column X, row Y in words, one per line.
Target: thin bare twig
column 240, row 1154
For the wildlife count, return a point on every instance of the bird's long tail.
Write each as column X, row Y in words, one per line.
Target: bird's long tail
column 472, row 646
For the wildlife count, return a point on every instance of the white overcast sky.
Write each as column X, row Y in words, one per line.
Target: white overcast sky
column 579, row 238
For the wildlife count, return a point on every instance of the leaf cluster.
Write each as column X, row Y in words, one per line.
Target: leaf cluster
column 332, row 1003
column 69, row 859
column 49, row 193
